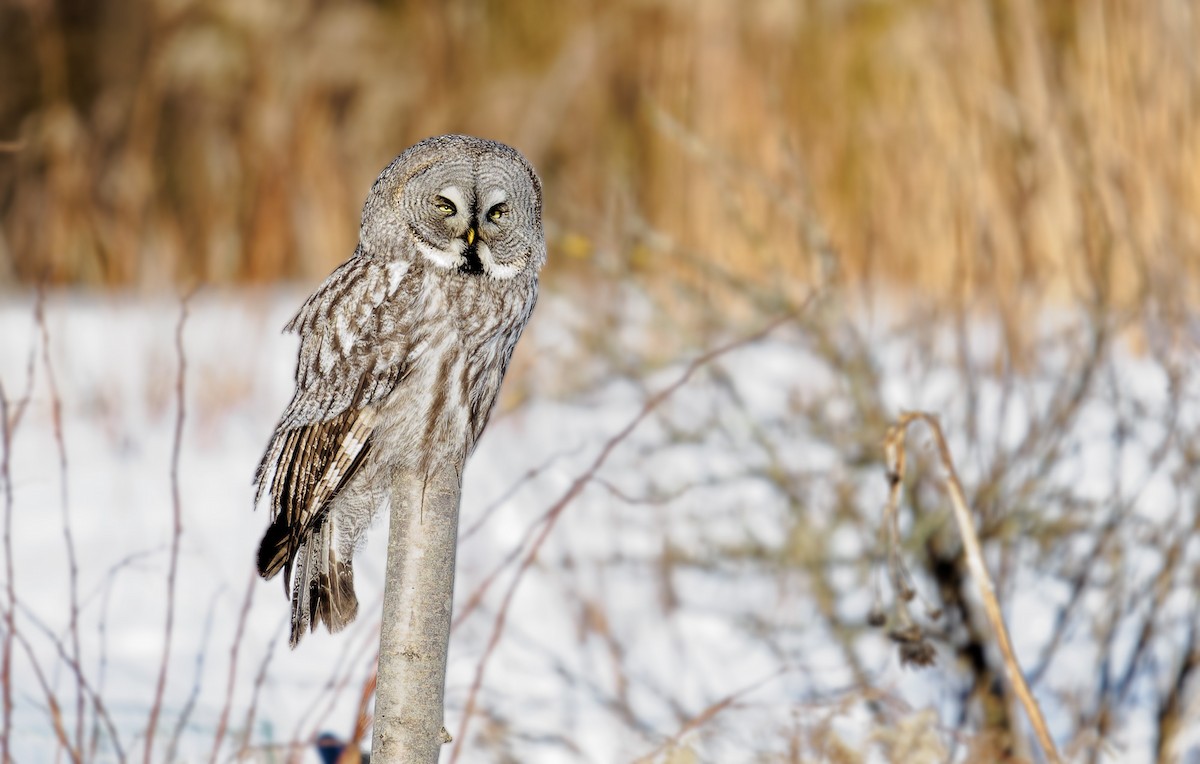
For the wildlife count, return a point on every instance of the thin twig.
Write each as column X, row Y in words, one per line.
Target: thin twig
column 362, row 720
column 197, row 681
column 310, row 723
column 1171, row 713
column 10, row 611
column 177, row 530
column 56, row 418
column 52, row 705
column 708, row 714
column 223, row 721
column 895, row 447
column 259, row 680
column 19, row 405
column 105, row 589
column 528, row 476
column 97, row 701
column 8, row 426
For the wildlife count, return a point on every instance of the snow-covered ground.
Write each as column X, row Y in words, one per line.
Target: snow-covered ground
column 709, row 586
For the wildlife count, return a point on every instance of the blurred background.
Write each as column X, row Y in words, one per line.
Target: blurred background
column 959, row 147
column 989, row 209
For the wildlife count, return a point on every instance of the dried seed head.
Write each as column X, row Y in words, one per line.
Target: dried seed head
column 920, row 654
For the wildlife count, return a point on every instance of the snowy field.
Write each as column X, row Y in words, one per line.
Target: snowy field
column 705, row 594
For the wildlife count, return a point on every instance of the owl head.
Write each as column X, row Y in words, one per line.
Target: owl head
column 464, row 204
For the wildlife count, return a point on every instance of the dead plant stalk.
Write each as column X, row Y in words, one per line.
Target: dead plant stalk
column 894, row 445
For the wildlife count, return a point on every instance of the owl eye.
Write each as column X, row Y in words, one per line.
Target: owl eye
column 444, row 206
column 497, row 212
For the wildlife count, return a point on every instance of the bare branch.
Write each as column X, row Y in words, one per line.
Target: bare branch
column 550, row 517
column 10, row 610
column 259, row 680
column 707, row 715
column 197, row 681
column 52, row 706
column 177, row 531
column 223, row 720
column 65, row 504
column 80, row 679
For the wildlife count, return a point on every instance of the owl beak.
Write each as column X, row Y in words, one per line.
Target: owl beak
column 470, row 236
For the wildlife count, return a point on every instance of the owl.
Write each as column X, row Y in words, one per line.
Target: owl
column 402, row 352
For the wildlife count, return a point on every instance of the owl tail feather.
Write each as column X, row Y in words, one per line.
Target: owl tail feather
column 273, row 551
column 323, row 590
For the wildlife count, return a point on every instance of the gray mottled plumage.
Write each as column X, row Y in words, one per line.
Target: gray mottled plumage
column 402, row 351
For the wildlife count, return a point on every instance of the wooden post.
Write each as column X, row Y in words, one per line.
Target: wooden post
column 417, row 603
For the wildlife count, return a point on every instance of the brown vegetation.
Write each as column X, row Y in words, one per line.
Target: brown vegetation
column 1002, row 146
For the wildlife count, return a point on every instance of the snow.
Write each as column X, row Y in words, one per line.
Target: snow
column 679, row 577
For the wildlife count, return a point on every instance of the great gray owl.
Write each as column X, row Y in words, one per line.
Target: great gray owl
column 402, row 351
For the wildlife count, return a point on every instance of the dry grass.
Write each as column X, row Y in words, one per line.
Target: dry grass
column 995, row 150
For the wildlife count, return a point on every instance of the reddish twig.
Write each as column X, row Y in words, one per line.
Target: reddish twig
column 259, row 680
column 10, row 611
column 177, row 532
column 56, row 418
column 197, row 682
column 528, row 476
column 707, row 715
column 550, row 517
column 223, row 721
column 20, row 404
column 105, row 588
column 340, row 676
column 81, row 682
column 362, row 720
column 52, row 706
column 476, row 598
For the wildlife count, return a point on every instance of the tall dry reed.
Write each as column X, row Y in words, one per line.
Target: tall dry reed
column 1009, row 149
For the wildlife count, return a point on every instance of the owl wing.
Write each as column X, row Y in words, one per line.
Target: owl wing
column 353, row 352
